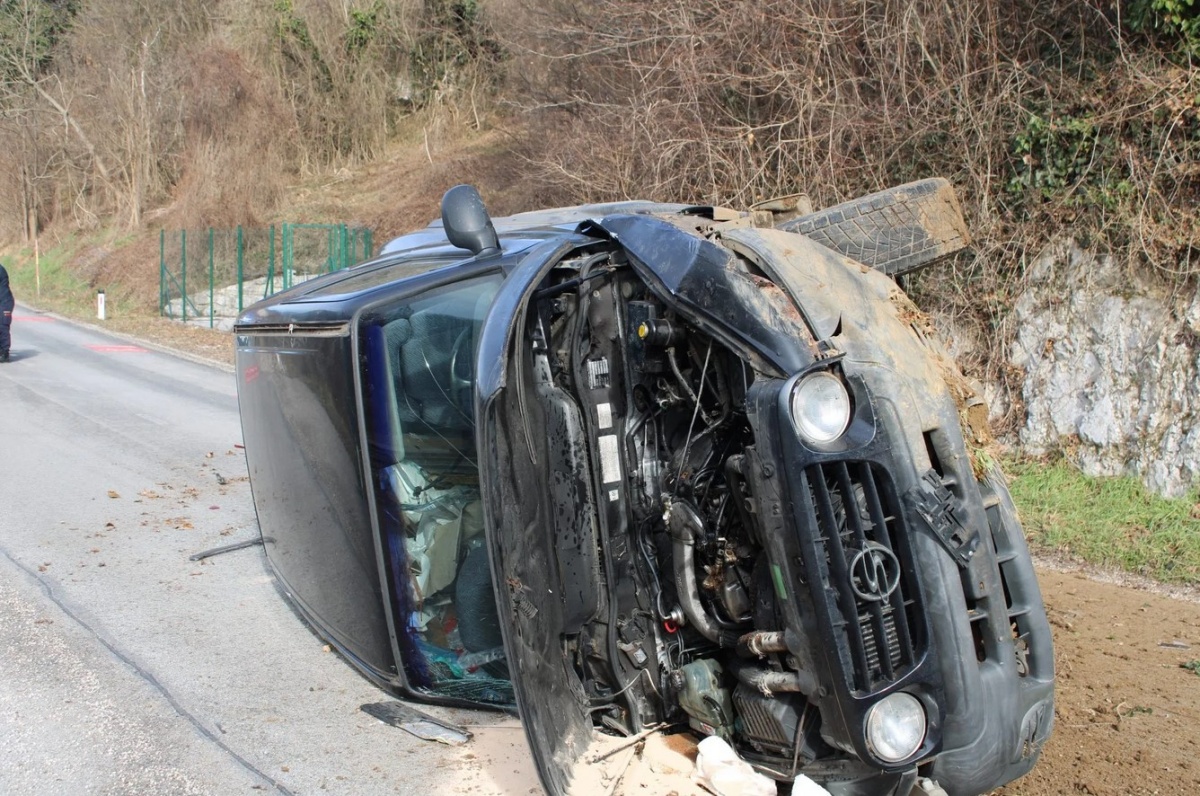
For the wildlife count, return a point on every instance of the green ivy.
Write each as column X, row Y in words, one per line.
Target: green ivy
column 296, row 43
column 1069, row 159
column 1177, row 20
column 31, row 32
column 455, row 34
column 364, row 27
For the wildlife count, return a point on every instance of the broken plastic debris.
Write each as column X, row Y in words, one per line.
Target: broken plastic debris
column 926, row 785
column 720, row 770
column 417, row 722
column 804, row 786
column 229, row 548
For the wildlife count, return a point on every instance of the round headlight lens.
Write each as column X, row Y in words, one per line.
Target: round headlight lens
column 820, row 407
column 896, row 727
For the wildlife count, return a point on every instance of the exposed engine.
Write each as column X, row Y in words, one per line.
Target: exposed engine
column 695, row 637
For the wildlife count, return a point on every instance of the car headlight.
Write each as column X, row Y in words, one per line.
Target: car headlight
column 896, row 727
column 820, row 407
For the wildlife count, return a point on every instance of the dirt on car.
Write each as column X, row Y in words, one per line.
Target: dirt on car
column 1127, row 706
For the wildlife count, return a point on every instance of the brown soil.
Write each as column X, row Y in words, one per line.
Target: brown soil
column 1127, row 718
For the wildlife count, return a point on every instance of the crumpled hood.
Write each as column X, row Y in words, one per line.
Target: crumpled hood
column 703, row 280
column 865, row 315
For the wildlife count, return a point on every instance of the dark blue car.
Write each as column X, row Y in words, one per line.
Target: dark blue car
column 647, row 465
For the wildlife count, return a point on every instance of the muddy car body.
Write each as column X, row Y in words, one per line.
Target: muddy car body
column 641, row 465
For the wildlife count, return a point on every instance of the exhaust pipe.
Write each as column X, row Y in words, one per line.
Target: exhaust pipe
column 683, row 523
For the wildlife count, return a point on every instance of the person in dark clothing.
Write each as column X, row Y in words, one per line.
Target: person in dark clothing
column 7, row 302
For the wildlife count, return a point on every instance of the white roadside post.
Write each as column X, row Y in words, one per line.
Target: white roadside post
column 100, row 312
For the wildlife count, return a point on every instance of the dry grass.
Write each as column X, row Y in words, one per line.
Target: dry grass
column 206, row 344
column 1046, row 116
column 1049, row 118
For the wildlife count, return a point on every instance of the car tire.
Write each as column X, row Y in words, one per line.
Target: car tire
column 895, row 231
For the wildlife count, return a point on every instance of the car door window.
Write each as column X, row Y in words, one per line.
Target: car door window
column 418, row 370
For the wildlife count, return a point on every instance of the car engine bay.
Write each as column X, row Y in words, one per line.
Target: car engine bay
column 667, row 406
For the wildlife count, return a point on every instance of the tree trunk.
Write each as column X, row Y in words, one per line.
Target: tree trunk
column 74, row 126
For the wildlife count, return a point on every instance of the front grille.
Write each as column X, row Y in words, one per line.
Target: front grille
column 866, row 568
column 885, row 646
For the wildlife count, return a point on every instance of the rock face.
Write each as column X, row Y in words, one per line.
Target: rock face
column 1112, row 370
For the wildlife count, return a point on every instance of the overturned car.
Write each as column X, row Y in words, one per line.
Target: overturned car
column 640, row 465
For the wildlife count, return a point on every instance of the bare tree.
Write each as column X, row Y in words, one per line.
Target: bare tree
column 27, row 33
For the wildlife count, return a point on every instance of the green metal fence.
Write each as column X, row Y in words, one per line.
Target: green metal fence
column 208, row 276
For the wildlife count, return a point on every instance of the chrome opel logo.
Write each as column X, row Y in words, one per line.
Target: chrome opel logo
column 874, row 573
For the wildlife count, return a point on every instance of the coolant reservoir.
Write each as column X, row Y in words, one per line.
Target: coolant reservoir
column 707, row 703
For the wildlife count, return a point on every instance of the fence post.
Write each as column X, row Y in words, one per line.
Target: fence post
column 162, row 271
column 211, row 278
column 183, row 271
column 240, row 272
column 270, row 269
column 286, row 255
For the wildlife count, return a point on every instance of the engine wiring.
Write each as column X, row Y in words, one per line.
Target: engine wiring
column 688, row 441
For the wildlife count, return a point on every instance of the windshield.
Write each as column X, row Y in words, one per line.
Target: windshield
column 418, row 369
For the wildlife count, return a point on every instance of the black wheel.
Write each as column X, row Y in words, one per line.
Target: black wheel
column 895, row 231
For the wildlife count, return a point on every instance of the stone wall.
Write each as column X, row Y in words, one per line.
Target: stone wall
column 1112, row 369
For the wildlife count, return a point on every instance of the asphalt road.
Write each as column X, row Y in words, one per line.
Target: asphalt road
column 125, row 668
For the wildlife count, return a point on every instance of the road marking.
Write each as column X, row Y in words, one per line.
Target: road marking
column 118, row 349
column 33, row 318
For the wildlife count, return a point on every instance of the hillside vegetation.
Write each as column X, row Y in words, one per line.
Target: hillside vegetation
column 123, row 116
column 1081, row 118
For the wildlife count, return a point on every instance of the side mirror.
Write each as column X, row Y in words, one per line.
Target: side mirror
column 466, row 221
